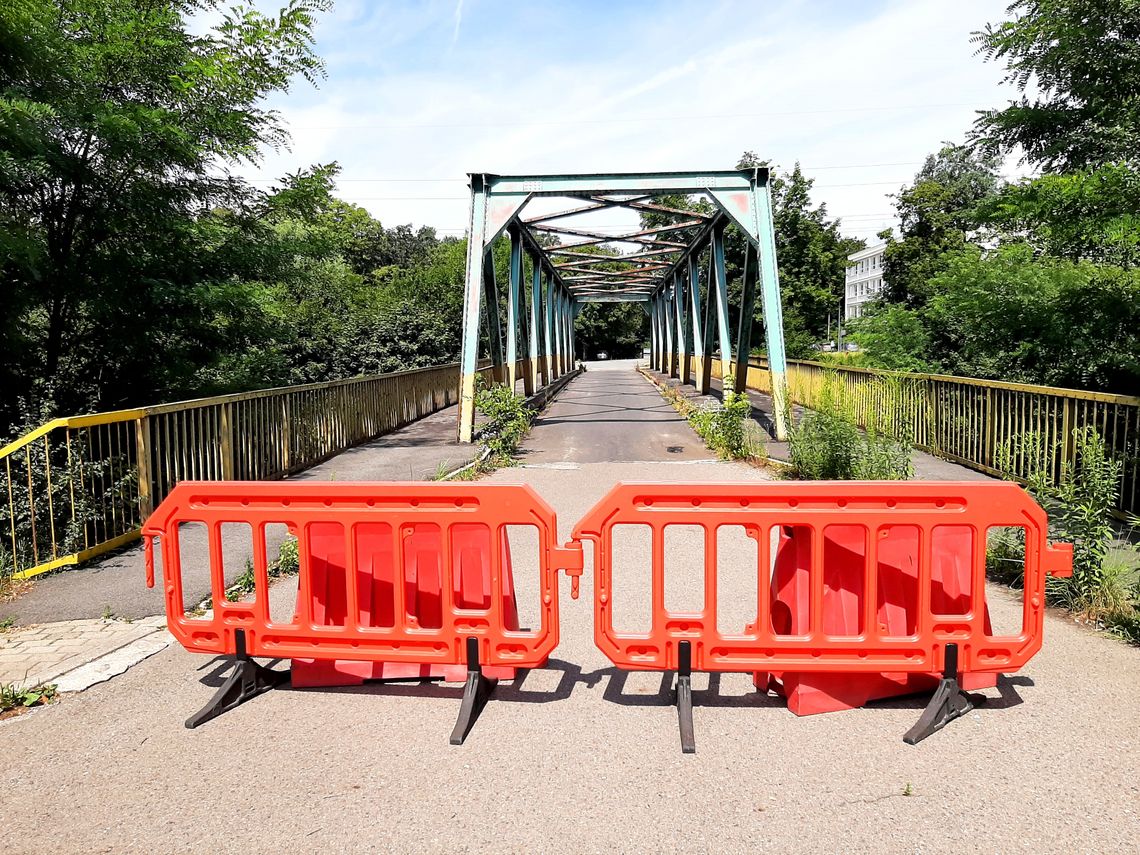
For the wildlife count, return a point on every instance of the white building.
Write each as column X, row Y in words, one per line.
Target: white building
column 864, row 279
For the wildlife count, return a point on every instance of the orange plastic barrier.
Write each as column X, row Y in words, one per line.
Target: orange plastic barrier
column 844, row 559
column 423, row 593
column 431, row 592
column 864, row 589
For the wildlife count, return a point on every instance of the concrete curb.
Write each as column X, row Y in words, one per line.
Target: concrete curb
column 114, row 663
column 546, row 394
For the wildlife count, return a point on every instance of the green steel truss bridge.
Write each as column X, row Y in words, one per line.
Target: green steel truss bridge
column 662, row 269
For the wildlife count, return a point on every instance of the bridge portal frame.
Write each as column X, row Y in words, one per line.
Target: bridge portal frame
column 663, row 273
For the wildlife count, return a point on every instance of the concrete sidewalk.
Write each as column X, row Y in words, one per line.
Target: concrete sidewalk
column 35, row 655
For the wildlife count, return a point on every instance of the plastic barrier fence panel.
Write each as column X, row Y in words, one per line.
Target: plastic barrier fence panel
column 395, row 581
column 847, row 591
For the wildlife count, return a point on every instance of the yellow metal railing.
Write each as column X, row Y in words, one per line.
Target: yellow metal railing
column 974, row 422
column 80, row 486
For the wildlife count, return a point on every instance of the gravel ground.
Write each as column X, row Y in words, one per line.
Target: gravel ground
column 578, row 757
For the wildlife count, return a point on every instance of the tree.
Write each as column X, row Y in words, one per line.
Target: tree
column 937, row 212
column 1011, row 314
column 811, row 256
column 1082, row 58
column 619, row 329
column 116, row 124
column 1089, row 215
column 892, row 337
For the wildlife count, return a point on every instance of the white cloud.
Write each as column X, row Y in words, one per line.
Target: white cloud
column 458, row 22
column 691, row 88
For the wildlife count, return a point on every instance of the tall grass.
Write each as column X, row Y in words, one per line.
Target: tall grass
column 1103, row 589
column 827, row 444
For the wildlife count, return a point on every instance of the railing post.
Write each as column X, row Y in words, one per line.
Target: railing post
column 988, row 451
column 932, row 418
column 142, row 463
column 227, row 442
column 1068, row 425
column 286, row 436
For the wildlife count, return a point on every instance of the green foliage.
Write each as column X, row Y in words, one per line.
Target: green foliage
column 936, row 211
column 1081, row 61
column 812, row 258
column 883, row 458
column 1089, row 215
column 508, row 420
column 1080, row 507
column 824, row 447
column 826, row 444
column 1014, row 315
column 619, row 329
column 1103, row 587
column 117, row 126
column 892, row 337
column 725, row 428
column 16, row 697
column 125, row 240
column 287, row 564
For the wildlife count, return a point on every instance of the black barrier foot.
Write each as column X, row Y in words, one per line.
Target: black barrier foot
column 949, row 702
column 246, row 681
column 685, row 698
column 475, row 694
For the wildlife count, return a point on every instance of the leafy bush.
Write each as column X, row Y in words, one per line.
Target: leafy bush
column 724, row 428
column 882, row 458
column 824, row 446
column 827, row 445
column 508, row 419
column 1103, row 588
column 287, row 563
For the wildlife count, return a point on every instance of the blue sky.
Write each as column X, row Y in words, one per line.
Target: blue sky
column 419, row 94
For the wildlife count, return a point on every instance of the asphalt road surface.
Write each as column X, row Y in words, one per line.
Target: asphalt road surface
column 611, row 413
column 580, row 757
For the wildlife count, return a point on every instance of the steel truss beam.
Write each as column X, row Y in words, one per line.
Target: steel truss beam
column 663, row 273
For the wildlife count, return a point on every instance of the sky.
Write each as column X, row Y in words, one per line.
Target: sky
column 418, row 95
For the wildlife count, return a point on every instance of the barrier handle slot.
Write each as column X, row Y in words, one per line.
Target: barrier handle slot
column 148, row 549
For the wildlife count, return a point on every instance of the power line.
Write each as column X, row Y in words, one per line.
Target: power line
column 629, row 119
column 464, row 180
